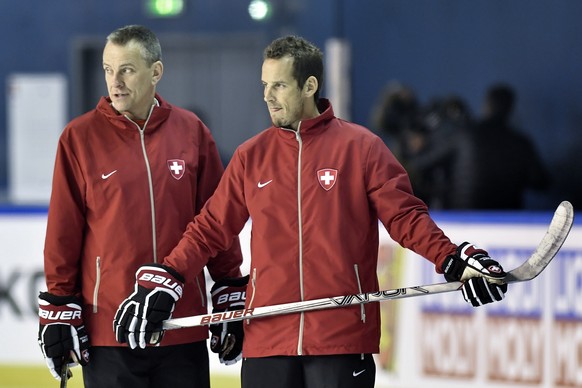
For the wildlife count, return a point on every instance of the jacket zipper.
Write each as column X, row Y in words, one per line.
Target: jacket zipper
column 97, row 283
column 150, row 180
column 300, row 231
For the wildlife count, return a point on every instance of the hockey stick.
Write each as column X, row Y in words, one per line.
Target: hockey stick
column 546, row 250
column 66, row 374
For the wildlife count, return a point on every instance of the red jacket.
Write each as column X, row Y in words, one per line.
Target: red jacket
column 314, row 199
column 106, row 219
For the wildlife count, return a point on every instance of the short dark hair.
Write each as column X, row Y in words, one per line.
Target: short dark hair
column 151, row 49
column 307, row 58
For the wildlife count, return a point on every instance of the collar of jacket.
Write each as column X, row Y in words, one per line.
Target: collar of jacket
column 315, row 125
column 159, row 114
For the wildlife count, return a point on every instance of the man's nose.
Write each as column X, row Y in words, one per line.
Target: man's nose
column 268, row 95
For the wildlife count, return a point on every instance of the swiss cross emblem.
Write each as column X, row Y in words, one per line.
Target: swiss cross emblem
column 177, row 167
column 327, row 178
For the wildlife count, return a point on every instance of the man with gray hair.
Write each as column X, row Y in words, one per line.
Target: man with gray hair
column 129, row 176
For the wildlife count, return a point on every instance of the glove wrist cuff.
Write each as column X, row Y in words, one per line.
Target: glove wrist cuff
column 173, row 272
column 453, row 268
column 231, row 282
column 166, row 268
column 59, row 300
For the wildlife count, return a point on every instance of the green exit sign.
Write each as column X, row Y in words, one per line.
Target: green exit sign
column 164, row 8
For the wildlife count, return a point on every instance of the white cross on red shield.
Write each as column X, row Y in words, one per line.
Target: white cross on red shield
column 177, row 168
column 327, row 178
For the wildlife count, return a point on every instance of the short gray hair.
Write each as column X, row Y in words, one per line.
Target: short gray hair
column 151, row 49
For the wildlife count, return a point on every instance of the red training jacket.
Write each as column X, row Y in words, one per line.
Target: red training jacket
column 314, row 198
column 121, row 198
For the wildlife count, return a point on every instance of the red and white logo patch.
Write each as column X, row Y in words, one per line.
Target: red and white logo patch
column 177, row 167
column 327, row 178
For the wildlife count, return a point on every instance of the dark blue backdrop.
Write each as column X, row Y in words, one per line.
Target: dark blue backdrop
column 438, row 47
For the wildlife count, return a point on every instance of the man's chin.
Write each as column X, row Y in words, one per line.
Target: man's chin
column 279, row 123
column 121, row 107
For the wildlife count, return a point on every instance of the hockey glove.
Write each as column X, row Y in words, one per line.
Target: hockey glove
column 469, row 262
column 61, row 334
column 228, row 294
column 139, row 318
column 482, row 276
column 479, row 291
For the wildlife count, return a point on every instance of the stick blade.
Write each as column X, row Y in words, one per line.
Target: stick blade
column 547, row 249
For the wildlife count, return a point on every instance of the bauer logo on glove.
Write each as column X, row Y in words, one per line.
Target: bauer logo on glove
column 169, row 283
column 62, row 314
column 227, row 338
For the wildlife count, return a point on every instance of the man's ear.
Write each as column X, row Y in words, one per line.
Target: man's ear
column 157, row 71
column 310, row 86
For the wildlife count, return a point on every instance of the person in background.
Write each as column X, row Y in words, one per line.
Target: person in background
column 505, row 163
column 489, row 162
column 444, row 158
column 395, row 118
column 129, row 176
column 315, row 187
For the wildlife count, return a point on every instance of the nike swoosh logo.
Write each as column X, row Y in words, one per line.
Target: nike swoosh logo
column 356, row 374
column 103, row 176
column 260, row 185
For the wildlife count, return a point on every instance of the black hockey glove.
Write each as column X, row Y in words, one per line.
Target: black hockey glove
column 469, row 262
column 61, row 334
column 479, row 291
column 139, row 318
column 482, row 276
column 228, row 294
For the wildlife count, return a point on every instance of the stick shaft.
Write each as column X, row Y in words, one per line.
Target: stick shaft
column 65, row 373
column 310, row 305
column 548, row 247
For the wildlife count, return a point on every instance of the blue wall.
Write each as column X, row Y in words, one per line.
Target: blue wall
column 436, row 46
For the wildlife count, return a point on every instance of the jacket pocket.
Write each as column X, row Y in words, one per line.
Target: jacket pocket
column 202, row 295
column 97, row 283
column 362, row 308
column 254, row 289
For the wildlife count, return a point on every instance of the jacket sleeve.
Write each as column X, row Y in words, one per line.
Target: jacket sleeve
column 227, row 262
column 404, row 216
column 215, row 229
column 65, row 223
